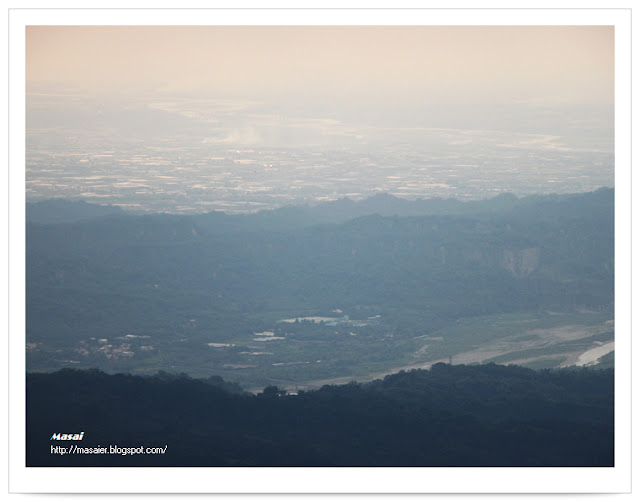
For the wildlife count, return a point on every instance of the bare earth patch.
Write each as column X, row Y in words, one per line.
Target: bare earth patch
column 514, row 343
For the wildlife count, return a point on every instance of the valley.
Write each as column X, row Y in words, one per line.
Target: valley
column 298, row 298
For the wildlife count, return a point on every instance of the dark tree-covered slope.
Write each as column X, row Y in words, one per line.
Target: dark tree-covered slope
column 449, row 416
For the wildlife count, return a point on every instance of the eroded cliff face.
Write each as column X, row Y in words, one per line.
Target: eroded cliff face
column 521, row 262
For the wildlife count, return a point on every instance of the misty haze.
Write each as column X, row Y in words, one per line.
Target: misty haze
column 197, row 155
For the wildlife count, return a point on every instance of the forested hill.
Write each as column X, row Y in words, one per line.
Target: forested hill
column 341, row 210
column 486, row 415
column 67, row 211
column 552, row 254
column 186, row 281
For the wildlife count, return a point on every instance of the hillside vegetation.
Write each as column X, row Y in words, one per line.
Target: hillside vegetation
column 486, row 415
column 207, row 294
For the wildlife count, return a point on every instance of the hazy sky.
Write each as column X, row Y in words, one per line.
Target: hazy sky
column 444, row 64
column 529, row 108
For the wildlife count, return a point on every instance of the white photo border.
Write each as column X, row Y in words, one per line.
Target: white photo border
column 319, row 480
